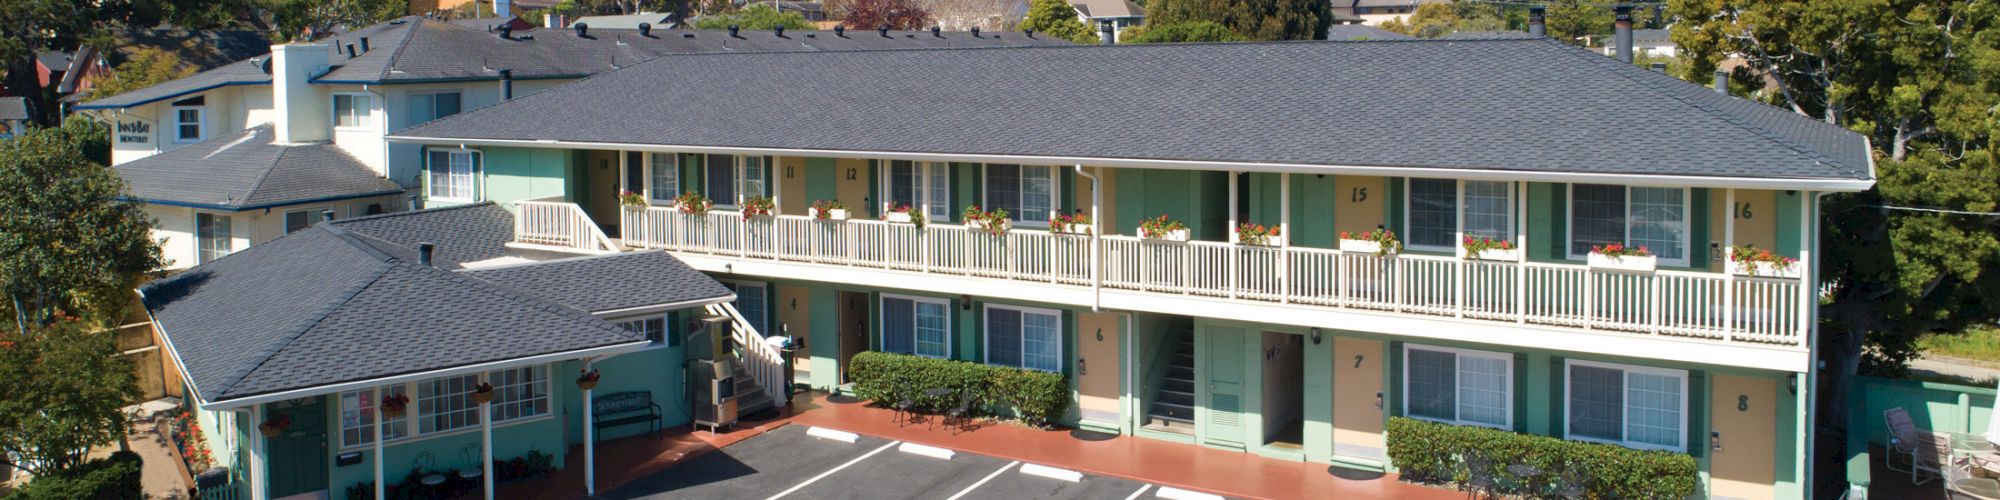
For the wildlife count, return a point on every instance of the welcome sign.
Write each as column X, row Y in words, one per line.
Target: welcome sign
column 135, row 131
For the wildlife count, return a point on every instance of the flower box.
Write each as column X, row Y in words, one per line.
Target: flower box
column 1362, row 246
column 1646, row 263
column 1170, row 235
column 1765, row 269
column 1498, row 255
column 899, row 217
column 832, row 214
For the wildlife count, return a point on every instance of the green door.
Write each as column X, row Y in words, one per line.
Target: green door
column 297, row 457
column 1221, row 415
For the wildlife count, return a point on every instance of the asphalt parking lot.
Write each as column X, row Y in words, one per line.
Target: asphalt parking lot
column 791, row 462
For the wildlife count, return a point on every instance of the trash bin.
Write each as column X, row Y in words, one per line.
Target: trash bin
column 786, row 347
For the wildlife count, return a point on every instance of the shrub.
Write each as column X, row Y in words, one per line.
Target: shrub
column 1036, row 397
column 111, row 478
column 1430, row 452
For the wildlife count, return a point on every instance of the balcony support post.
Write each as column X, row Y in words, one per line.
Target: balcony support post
column 1231, row 229
column 1521, row 263
column 1806, row 290
column 1096, row 234
column 1460, row 267
column 1728, row 275
column 1285, row 238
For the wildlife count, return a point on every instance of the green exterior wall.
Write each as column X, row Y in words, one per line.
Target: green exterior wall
column 514, row 174
column 1198, row 198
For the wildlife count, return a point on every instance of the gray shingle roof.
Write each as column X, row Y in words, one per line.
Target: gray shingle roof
column 246, row 72
column 13, row 108
column 624, row 21
column 609, row 282
column 246, row 170
column 325, row 306
column 1532, row 105
column 466, row 233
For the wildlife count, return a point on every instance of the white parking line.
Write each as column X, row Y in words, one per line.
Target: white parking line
column 1052, row 473
column 829, row 472
column 1180, row 494
column 1142, row 491
column 982, row 481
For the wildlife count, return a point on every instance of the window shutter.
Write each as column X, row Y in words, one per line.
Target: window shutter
column 1395, row 219
column 1696, row 413
column 1520, row 392
column 1698, row 228
column 1557, row 377
column 1394, row 400
column 874, row 192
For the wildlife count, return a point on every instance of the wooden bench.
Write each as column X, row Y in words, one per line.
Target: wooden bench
column 624, row 408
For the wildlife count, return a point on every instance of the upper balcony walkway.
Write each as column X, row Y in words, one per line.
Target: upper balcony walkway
column 1758, row 322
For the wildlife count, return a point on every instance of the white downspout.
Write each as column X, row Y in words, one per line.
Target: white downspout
column 589, row 440
column 1096, row 242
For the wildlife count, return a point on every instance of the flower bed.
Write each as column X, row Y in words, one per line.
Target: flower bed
column 1491, row 249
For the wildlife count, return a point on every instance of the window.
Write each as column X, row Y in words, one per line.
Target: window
column 302, row 219
column 753, row 177
column 427, row 107
column 663, row 177
column 519, row 393
column 1489, row 209
column 1459, row 386
column 188, row 124
column 920, row 184
column 445, row 404
column 1638, row 216
column 720, row 179
column 752, row 303
column 1627, row 405
column 633, row 164
column 1433, row 222
column 655, row 330
column 451, row 174
column 917, row 326
column 357, row 412
column 212, row 237
column 1026, row 191
column 350, row 110
column 1024, row 338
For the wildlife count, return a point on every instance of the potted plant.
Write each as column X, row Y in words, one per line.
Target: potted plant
column 1250, row 233
column 902, row 213
column 275, row 425
column 631, row 199
column 993, row 222
column 1076, row 223
column 1490, row 249
column 693, row 203
column 483, row 394
column 394, row 405
column 588, row 380
column 829, row 210
column 1378, row 241
column 759, row 206
column 1618, row 257
column 1747, row 260
column 1163, row 229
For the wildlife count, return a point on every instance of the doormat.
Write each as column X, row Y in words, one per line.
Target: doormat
column 843, row 399
column 1353, row 474
column 1083, row 435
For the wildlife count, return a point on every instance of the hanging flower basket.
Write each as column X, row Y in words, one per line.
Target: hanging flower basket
column 1502, row 250
column 630, row 199
column 1746, row 260
column 759, row 206
column 829, row 210
column 588, row 380
column 994, row 223
column 1163, row 229
column 1381, row 242
column 483, row 395
column 394, row 406
column 1618, row 257
column 693, row 203
column 276, row 425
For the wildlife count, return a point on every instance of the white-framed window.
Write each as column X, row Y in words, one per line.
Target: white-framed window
column 916, row 325
column 753, row 302
column 921, row 184
column 1631, row 406
column 445, row 404
column 1458, row 386
column 452, row 173
column 190, row 124
column 357, row 412
column 1436, row 207
column 1023, row 337
column 654, row 328
column 663, row 177
column 1489, row 209
column 301, row 219
column 519, row 393
column 719, row 180
column 213, row 239
column 751, row 178
column 434, row 105
column 1653, row 217
column 352, row 110
column 1028, row 192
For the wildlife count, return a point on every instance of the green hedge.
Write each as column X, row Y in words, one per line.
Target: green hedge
column 1430, row 452
column 112, row 478
column 1037, row 397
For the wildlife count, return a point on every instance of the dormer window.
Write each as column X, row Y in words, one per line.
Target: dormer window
column 189, row 120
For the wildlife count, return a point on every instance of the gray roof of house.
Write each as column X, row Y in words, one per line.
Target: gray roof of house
column 13, row 108
column 1534, row 105
column 324, row 306
column 251, row 71
column 54, row 60
column 624, row 21
column 610, row 282
column 246, row 170
column 1359, row 32
column 465, row 233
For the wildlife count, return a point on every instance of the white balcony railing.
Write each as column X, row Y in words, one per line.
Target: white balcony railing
column 552, row 222
column 1711, row 306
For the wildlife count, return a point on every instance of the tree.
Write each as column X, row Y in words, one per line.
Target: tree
column 1058, row 19
column 1254, row 19
column 30, row 27
column 145, row 67
column 1197, row 31
column 987, row 15
column 61, row 393
column 1919, row 79
column 69, row 245
column 896, row 14
column 755, row 17
column 311, row 19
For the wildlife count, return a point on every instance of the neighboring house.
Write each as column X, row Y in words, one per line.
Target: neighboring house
column 50, row 67
column 656, row 20
column 13, row 116
column 1120, row 14
column 1648, row 43
column 1298, row 347
column 1373, row 12
column 813, row 11
column 1358, row 32
column 290, row 348
column 198, row 49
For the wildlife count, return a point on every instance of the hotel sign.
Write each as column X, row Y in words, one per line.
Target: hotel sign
column 135, row 131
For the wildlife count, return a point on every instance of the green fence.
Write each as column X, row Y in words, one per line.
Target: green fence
column 1932, row 405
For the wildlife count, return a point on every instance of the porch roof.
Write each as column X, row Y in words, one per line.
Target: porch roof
column 633, row 282
column 248, row 169
column 1527, row 108
column 463, row 234
column 325, row 308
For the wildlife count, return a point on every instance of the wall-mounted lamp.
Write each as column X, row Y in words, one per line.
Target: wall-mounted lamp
column 1792, row 381
column 1715, row 440
column 965, row 302
column 1378, row 401
column 1314, row 334
column 729, row 268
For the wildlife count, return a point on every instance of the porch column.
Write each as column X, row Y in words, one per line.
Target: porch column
column 259, row 490
column 589, row 441
column 1285, row 237
column 1521, row 259
column 1232, row 214
column 376, row 431
column 1728, row 275
column 1807, row 293
column 486, row 448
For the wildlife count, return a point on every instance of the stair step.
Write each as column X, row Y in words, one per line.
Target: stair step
column 1169, row 418
column 1186, row 400
column 1177, row 385
column 752, row 404
column 1180, row 372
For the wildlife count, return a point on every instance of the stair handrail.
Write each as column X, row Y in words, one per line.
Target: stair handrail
column 765, row 364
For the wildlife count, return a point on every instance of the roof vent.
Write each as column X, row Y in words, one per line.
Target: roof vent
column 687, row 35
column 424, row 252
column 840, row 31
column 810, row 35
column 975, row 32
column 364, row 44
column 732, row 31
column 582, row 30
column 1030, row 33
column 646, row 30
column 884, row 31
column 778, row 30
column 350, row 51
column 506, row 31
column 937, row 32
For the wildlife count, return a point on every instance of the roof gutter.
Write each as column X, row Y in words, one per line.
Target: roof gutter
column 88, row 106
column 247, row 401
column 660, row 308
column 1848, row 185
column 211, row 206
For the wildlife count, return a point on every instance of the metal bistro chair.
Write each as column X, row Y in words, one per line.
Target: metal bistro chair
column 1479, row 480
column 906, row 402
column 967, row 399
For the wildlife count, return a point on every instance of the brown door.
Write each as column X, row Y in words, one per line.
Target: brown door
column 1357, row 398
column 853, row 328
column 1098, row 340
column 1744, row 415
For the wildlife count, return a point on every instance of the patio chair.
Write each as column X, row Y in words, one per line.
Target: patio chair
column 1923, row 452
column 963, row 412
column 906, row 402
column 1960, row 482
column 1479, row 479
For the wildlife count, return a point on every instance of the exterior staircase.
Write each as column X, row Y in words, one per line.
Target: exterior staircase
column 1173, row 402
column 750, row 395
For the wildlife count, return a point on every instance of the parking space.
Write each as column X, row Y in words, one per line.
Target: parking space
column 791, row 463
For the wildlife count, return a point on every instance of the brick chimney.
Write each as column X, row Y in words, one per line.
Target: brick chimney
column 304, row 109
